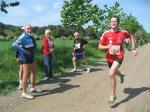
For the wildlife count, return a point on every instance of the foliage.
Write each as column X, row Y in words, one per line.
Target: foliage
column 9, row 31
column 114, row 10
column 92, row 33
column 131, row 24
column 142, row 35
column 76, row 13
column 4, row 5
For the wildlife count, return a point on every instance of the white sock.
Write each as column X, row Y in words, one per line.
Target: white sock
column 20, row 81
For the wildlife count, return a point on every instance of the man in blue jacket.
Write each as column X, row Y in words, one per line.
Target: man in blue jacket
column 26, row 46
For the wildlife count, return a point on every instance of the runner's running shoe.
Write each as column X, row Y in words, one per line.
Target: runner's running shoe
column 73, row 70
column 88, row 70
column 112, row 99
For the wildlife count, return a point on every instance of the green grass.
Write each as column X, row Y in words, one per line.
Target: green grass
column 62, row 61
column 4, row 45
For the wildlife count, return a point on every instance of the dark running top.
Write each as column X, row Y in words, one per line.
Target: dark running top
column 78, row 45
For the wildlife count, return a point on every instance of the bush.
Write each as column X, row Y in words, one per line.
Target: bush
column 70, row 38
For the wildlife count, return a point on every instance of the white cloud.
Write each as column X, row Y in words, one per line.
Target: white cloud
column 57, row 5
column 37, row 8
column 17, row 12
column 15, row 16
column 47, row 19
column 51, row 15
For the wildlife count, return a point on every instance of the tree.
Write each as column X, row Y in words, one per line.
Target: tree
column 114, row 10
column 131, row 24
column 92, row 33
column 128, row 22
column 76, row 13
column 4, row 5
column 1, row 28
column 102, row 16
column 97, row 20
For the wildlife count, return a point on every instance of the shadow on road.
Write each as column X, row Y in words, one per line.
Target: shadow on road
column 100, row 64
column 133, row 92
column 62, row 88
column 67, row 77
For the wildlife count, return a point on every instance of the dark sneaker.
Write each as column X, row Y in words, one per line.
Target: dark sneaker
column 122, row 78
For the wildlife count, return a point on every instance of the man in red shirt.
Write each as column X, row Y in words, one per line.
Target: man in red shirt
column 112, row 41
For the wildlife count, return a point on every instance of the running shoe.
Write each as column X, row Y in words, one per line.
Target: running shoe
column 88, row 70
column 112, row 99
column 73, row 70
column 35, row 90
column 46, row 78
column 25, row 95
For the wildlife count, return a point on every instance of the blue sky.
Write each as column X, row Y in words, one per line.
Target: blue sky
column 47, row 12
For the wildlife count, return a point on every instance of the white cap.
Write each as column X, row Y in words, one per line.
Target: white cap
column 22, row 28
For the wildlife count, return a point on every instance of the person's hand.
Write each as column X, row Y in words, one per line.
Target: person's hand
column 83, row 46
column 51, row 50
column 109, row 46
column 73, row 54
column 18, row 61
column 134, row 52
column 27, row 52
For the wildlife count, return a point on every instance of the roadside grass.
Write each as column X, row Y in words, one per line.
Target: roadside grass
column 62, row 61
column 4, row 45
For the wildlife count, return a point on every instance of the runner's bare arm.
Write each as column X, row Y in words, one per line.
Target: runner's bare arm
column 133, row 43
column 84, row 46
column 101, row 47
column 134, row 51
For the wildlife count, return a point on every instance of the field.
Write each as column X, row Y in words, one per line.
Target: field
column 62, row 61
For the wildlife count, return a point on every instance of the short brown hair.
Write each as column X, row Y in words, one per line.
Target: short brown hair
column 118, row 20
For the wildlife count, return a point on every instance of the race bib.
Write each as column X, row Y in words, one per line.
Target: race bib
column 77, row 46
column 114, row 50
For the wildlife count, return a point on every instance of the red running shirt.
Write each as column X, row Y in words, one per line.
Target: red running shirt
column 116, row 39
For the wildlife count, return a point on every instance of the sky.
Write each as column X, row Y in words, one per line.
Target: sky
column 47, row 12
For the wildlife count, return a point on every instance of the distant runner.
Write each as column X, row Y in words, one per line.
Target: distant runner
column 78, row 51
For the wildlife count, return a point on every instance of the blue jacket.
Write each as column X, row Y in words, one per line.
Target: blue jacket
column 25, row 43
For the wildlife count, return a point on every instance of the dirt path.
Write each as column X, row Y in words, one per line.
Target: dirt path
column 84, row 92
